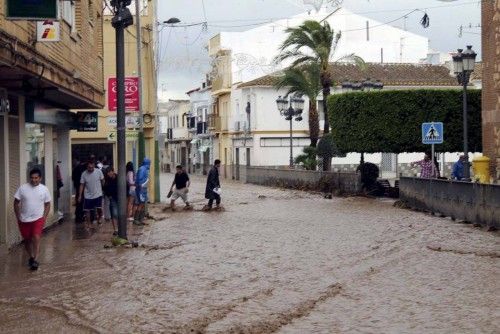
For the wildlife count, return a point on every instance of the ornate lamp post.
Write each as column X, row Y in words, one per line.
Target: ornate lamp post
column 463, row 66
column 291, row 109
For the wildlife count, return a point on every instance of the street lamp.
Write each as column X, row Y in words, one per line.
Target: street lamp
column 463, row 66
column 291, row 109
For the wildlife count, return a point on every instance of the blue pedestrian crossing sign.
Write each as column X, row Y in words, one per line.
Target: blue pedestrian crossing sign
column 432, row 133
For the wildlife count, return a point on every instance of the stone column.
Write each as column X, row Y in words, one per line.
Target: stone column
column 491, row 84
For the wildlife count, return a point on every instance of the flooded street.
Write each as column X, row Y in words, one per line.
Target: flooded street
column 275, row 261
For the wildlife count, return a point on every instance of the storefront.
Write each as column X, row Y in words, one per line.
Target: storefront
column 35, row 135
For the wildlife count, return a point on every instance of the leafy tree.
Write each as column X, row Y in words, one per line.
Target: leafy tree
column 308, row 158
column 391, row 121
column 315, row 42
column 327, row 149
column 304, row 80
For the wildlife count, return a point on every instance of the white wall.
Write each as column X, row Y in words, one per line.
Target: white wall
column 253, row 50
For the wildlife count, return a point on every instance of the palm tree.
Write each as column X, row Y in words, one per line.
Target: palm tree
column 314, row 42
column 304, row 80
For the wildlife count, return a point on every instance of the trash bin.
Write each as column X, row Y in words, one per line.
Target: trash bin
column 481, row 168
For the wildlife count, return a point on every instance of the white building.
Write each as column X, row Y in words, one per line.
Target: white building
column 174, row 127
column 253, row 51
column 202, row 149
column 266, row 140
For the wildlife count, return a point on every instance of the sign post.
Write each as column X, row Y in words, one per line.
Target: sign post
column 432, row 133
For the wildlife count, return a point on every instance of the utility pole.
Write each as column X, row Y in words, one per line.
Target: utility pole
column 122, row 19
column 138, row 32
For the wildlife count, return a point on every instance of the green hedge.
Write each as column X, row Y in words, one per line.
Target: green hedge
column 391, row 121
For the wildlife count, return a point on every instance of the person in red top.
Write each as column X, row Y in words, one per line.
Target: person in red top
column 32, row 206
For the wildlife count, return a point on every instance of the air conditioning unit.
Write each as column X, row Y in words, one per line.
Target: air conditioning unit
column 244, row 126
column 237, row 126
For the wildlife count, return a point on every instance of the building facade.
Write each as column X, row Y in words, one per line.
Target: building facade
column 241, row 133
column 202, row 140
column 491, row 84
column 174, row 127
column 103, row 142
column 260, row 135
column 40, row 82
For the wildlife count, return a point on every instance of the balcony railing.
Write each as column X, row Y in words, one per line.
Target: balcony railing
column 214, row 123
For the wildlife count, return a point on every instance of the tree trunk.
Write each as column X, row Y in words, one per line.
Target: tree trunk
column 326, row 83
column 313, row 123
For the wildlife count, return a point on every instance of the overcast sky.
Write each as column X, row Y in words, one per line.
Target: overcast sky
column 184, row 58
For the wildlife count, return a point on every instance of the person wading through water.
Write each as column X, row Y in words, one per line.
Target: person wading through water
column 212, row 190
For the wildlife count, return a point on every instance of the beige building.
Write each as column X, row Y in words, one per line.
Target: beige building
column 40, row 81
column 218, row 120
column 103, row 142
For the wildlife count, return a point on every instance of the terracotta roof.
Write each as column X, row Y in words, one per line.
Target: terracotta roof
column 388, row 74
column 478, row 72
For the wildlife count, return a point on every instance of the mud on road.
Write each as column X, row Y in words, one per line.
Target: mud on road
column 275, row 261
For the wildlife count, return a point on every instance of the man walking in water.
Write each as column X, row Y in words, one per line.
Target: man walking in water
column 141, row 191
column 212, row 190
column 32, row 206
column 181, row 183
column 91, row 184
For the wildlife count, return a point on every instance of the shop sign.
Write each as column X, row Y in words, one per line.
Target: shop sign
column 48, row 31
column 40, row 113
column 31, row 9
column 131, row 94
column 87, row 121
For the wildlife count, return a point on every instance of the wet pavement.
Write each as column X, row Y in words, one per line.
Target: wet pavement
column 275, row 261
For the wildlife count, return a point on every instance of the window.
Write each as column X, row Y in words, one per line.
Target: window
column 91, row 11
column 284, row 142
column 68, row 13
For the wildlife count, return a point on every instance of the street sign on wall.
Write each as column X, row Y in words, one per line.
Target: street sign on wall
column 131, row 122
column 129, row 135
column 131, row 94
column 432, row 133
column 48, row 31
column 31, row 9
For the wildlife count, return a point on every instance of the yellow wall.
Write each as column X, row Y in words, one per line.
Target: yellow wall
column 149, row 102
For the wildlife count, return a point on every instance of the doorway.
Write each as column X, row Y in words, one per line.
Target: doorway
column 237, row 176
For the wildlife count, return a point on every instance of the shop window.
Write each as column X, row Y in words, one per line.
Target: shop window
column 35, row 148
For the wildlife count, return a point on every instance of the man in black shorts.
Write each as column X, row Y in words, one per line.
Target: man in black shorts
column 181, row 183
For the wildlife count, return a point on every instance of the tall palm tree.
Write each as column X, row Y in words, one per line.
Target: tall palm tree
column 315, row 42
column 304, row 80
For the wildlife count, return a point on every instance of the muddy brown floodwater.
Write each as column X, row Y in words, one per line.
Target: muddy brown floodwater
column 276, row 261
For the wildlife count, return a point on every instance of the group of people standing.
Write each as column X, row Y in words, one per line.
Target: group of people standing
column 96, row 196
column 430, row 169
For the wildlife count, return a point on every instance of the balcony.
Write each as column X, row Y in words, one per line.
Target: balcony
column 214, row 123
column 201, row 128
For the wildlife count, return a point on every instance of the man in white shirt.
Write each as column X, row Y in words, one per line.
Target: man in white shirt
column 32, row 206
column 91, row 184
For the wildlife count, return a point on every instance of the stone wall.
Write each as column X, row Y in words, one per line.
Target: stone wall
column 491, row 84
column 472, row 202
column 341, row 183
